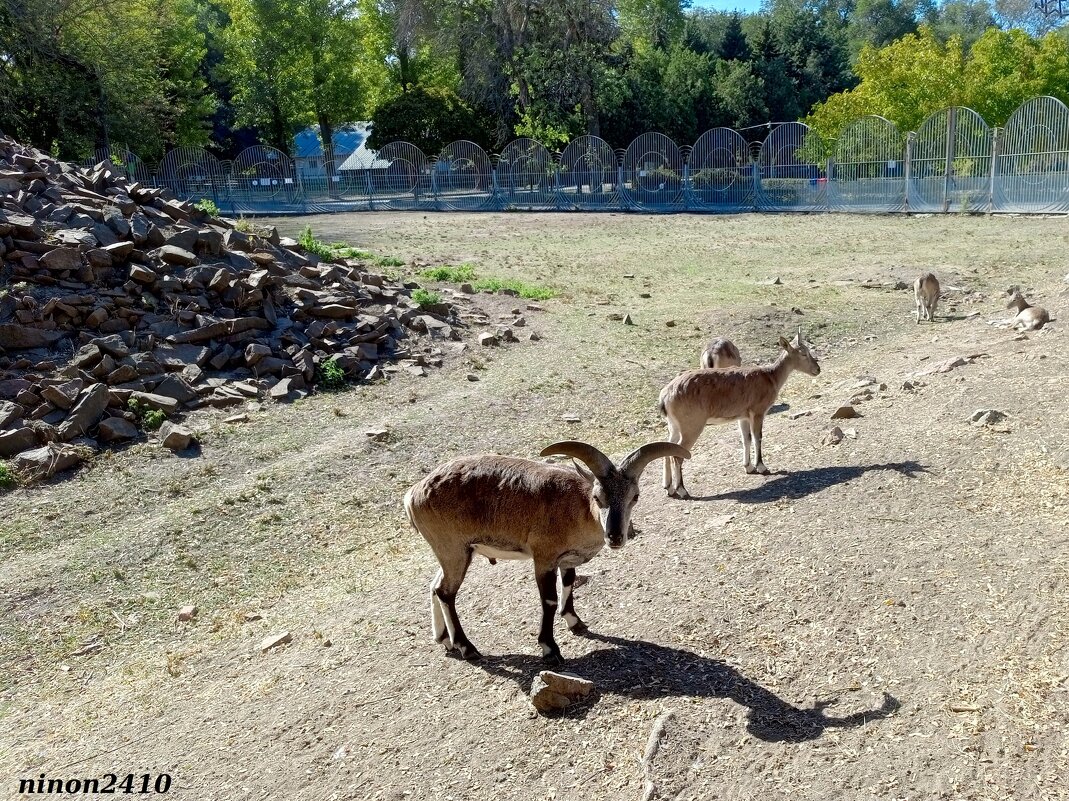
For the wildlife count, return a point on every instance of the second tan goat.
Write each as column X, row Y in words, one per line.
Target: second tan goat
column 926, row 293
column 721, row 353
column 700, row 397
column 1029, row 317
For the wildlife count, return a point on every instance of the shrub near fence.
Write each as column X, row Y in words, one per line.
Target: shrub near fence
column 953, row 162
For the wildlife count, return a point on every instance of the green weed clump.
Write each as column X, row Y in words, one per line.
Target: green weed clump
column 330, row 376
column 151, row 419
column 465, row 273
column 7, row 478
column 342, row 250
column 423, row 298
column 307, row 240
column 447, row 272
column 208, row 207
column 529, row 291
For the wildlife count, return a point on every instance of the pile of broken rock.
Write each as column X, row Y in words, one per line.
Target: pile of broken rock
column 120, row 304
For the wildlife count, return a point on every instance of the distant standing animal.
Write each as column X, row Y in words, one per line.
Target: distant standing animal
column 502, row 507
column 699, row 397
column 926, row 293
column 1029, row 317
column 721, row 353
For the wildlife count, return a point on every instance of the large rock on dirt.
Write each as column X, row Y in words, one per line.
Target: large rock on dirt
column 175, row 437
column 555, row 692
column 17, row 441
column 9, row 412
column 89, row 408
column 45, row 462
column 116, row 429
column 61, row 259
column 20, row 337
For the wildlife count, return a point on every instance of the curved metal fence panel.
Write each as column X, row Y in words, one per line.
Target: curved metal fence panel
column 526, row 176
column 791, row 177
column 1032, row 159
column 954, row 162
column 463, row 178
column 868, row 168
column 720, row 174
column 122, row 161
column 588, row 175
column 262, row 177
column 653, row 173
column 192, row 173
column 399, row 178
column 950, row 163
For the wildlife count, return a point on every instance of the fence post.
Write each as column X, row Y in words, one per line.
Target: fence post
column 996, row 136
column 756, row 172
column 952, row 117
column 829, row 177
column 907, row 168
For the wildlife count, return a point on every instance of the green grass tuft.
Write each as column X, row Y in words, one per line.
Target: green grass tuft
column 330, row 376
column 529, row 291
column 207, row 206
column 423, row 298
column 7, row 478
column 466, row 273
column 447, row 272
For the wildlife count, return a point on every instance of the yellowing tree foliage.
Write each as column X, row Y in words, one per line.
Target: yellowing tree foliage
column 918, row 75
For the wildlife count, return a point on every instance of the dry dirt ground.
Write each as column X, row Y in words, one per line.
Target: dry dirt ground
column 881, row 619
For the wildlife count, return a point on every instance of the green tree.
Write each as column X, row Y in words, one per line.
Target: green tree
column 79, row 74
column 651, row 23
column 918, row 75
column 733, row 46
column 880, row 22
column 294, row 62
column 429, row 118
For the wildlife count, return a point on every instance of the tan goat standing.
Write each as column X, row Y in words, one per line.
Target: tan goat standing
column 721, row 353
column 926, row 292
column 701, row 397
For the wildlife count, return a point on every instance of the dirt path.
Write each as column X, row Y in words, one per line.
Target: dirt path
column 884, row 618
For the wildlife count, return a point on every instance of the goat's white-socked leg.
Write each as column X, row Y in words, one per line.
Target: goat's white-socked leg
column 744, row 433
column 437, row 615
column 567, row 611
column 758, row 425
column 451, row 577
column 686, row 440
column 669, row 468
column 547, row 591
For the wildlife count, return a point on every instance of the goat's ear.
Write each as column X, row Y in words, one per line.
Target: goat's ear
column 586, row 474
column 783, row 343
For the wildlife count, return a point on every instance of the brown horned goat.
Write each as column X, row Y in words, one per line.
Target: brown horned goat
column 502, row 507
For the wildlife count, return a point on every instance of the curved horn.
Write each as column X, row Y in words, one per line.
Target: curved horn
column 635, row 462
column 798, row 336
column 600, row 464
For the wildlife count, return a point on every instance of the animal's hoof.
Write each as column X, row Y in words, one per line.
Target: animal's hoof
column 764, row 471
column 579, row 628
column 470, row 653
column 749, row 468
column 553, row 659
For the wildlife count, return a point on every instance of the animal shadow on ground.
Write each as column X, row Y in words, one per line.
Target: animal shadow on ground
column 640, row 669
column 809, row 482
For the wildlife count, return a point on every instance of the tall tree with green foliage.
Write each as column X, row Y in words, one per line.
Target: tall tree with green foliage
column 79, row 74
column 295, row 62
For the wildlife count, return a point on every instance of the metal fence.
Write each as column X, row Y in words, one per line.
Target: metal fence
column 954, row 162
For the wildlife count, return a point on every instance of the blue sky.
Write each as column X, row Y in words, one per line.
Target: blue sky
column 728, row 5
